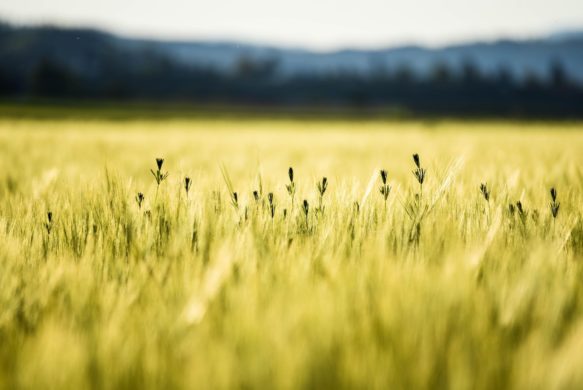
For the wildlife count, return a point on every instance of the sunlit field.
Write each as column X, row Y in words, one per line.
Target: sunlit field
column 348, row 282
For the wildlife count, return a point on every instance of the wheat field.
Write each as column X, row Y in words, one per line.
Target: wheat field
column 434, row 287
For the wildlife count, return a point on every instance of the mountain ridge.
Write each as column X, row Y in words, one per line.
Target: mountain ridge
column 519, row 57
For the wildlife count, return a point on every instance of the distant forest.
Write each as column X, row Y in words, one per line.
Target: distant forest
column 103, row 72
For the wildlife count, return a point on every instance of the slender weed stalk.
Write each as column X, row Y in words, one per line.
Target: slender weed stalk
column 291, row 187
column 485, row 191
column 419, row 174
column 306, row 209
column 258, row 201
column 522, row 212
column 49, row 224
column 187, row 185
column 159, row 176
column 321, row 186
column 139, row 200
column 271, row 205
column 486, row 194
column 232, row 193
column 385, row 188
column 258, row 193
column 554, row 205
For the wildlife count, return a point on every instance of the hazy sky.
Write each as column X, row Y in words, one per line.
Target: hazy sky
column 318, row 24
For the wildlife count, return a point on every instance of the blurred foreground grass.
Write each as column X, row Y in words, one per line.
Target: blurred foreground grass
column 192, row 292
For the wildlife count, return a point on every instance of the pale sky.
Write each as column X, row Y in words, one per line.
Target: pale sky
column 315, row 24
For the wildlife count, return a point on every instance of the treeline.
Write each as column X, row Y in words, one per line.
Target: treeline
column 467, row 91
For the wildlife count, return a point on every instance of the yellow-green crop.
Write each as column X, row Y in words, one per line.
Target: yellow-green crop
column 373, row 282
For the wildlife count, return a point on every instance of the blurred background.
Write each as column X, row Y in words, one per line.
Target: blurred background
column 480, row 58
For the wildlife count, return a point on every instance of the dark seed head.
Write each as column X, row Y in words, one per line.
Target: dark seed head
column 139, row 199
column 306, row 207
column 290, row 173
column 554, row 204
column 270, row 197
column 555, row 209
column 235, row 197
column 485, row 192
column 322, row 186
column 519, row 207
column 50, row 216
column 187, row 183
column 256, row 195
column 159, row 162
column 419, row 173
column 384, row 176
column 416, row 160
